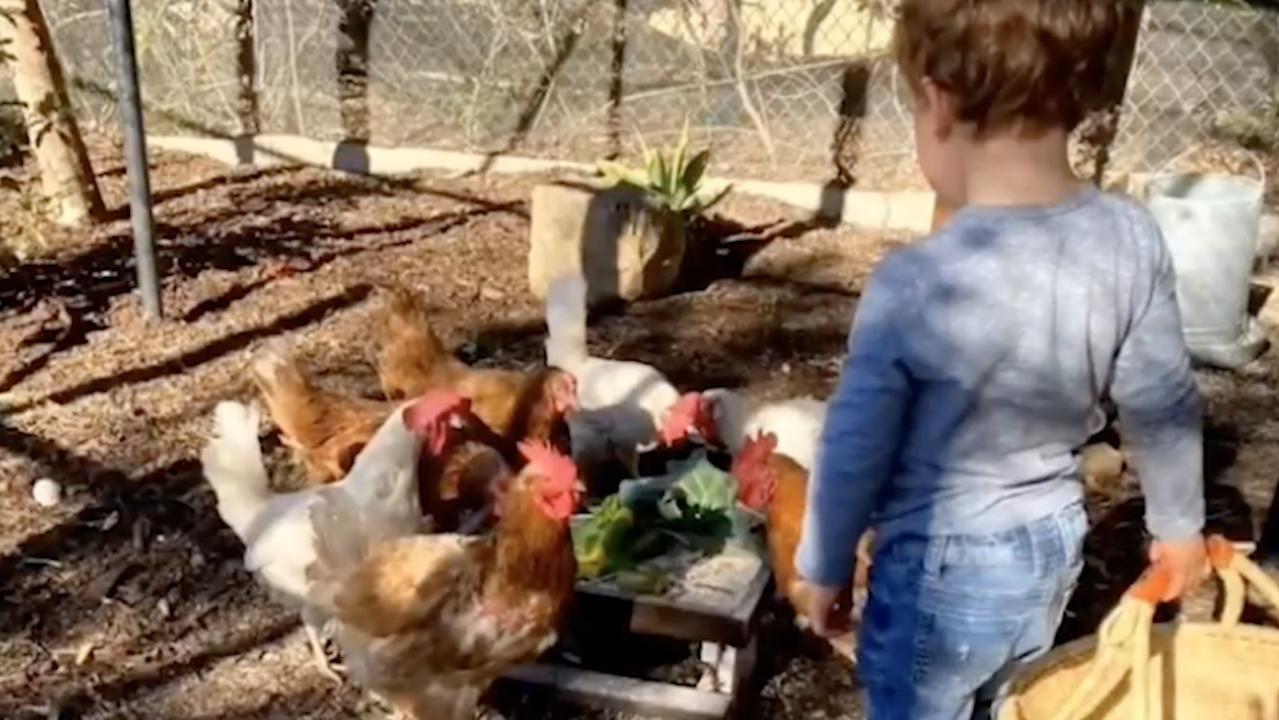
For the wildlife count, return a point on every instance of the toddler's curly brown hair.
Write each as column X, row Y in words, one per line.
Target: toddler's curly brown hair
column 1019, row 64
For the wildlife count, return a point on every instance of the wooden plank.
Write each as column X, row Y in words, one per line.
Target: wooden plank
column 652, row 615
column 728, row 669
column 595, row 689
column 749, row 607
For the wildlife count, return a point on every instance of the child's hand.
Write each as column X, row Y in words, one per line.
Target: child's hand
column 1187, row 562
column 827, row 608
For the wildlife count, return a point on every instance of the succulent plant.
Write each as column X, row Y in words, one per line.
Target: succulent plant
column 671, row 178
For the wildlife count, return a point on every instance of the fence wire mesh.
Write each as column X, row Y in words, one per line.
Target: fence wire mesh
column 781, row 89
column 186, row 62
column 1203, row 74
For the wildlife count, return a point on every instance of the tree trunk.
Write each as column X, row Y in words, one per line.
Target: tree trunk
column 66, row 176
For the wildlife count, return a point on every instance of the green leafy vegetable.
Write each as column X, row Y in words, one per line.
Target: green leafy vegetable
column 702, row 502
column 600, row 540
column 644, row 582
column 691, row 509
column 707, row 489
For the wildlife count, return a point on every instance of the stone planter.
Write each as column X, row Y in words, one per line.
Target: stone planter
column 626, row 247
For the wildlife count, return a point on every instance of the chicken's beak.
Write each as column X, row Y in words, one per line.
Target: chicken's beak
column 579, row 486
column 571, row 407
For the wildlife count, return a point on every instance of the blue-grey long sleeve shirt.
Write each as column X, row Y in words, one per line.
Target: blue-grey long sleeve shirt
column 975, row 362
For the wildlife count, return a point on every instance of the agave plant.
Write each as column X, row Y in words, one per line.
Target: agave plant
column 673, row 178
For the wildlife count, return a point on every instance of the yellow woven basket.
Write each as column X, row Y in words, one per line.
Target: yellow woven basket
column 1135, row 670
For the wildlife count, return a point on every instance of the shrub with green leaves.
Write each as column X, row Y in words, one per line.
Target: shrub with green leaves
column 671, row 178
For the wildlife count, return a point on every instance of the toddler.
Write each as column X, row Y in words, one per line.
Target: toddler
column 978, row 358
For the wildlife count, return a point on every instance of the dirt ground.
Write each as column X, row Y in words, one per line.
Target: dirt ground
column 129, row 600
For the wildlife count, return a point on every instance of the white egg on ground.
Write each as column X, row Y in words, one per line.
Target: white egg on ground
column 46, row 492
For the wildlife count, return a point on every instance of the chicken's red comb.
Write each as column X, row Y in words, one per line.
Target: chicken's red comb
column 756, row 482
column 755, row 451
column 681, row 417
column 688, row 403
column 557, row 466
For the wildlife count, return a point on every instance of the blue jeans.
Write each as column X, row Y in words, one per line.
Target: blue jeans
column 951, row 618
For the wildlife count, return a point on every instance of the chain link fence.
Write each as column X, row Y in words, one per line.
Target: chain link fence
column 782, row 89
column 1204, row 74
column 764, row 82
column 186, row 59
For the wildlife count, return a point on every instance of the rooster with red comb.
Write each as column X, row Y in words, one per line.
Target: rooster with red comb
column 430, row 621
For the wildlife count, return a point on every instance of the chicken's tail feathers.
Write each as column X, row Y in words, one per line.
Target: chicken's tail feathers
column 405, row 338
column 285, row 389
column 274, row 369
column 232, row 463
column 566, row 321
column 404, row 312
column 295, row 404
column 401, row 302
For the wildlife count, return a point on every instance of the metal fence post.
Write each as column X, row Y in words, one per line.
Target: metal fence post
column 135, row 155
column 1122, row 56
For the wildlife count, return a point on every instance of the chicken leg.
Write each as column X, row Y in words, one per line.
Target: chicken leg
column 313, row 623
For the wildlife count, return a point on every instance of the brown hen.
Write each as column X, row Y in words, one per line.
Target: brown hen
column 774, row 484
column 430, row 621
column 327, row 431
column 515, row 405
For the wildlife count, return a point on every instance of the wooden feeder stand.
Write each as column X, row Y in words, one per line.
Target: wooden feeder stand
column 726, row 632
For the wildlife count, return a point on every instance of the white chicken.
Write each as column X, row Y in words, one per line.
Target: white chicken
column 728, row 418
column 276, row 527
column 624, row 405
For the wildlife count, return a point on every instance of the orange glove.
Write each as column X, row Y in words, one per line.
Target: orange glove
column 1186, row 561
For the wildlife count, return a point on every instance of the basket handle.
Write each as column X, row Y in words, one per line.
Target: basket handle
column 1256, row 162
column 1237, row 571
column 1123, row 640
column 1123, row 645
